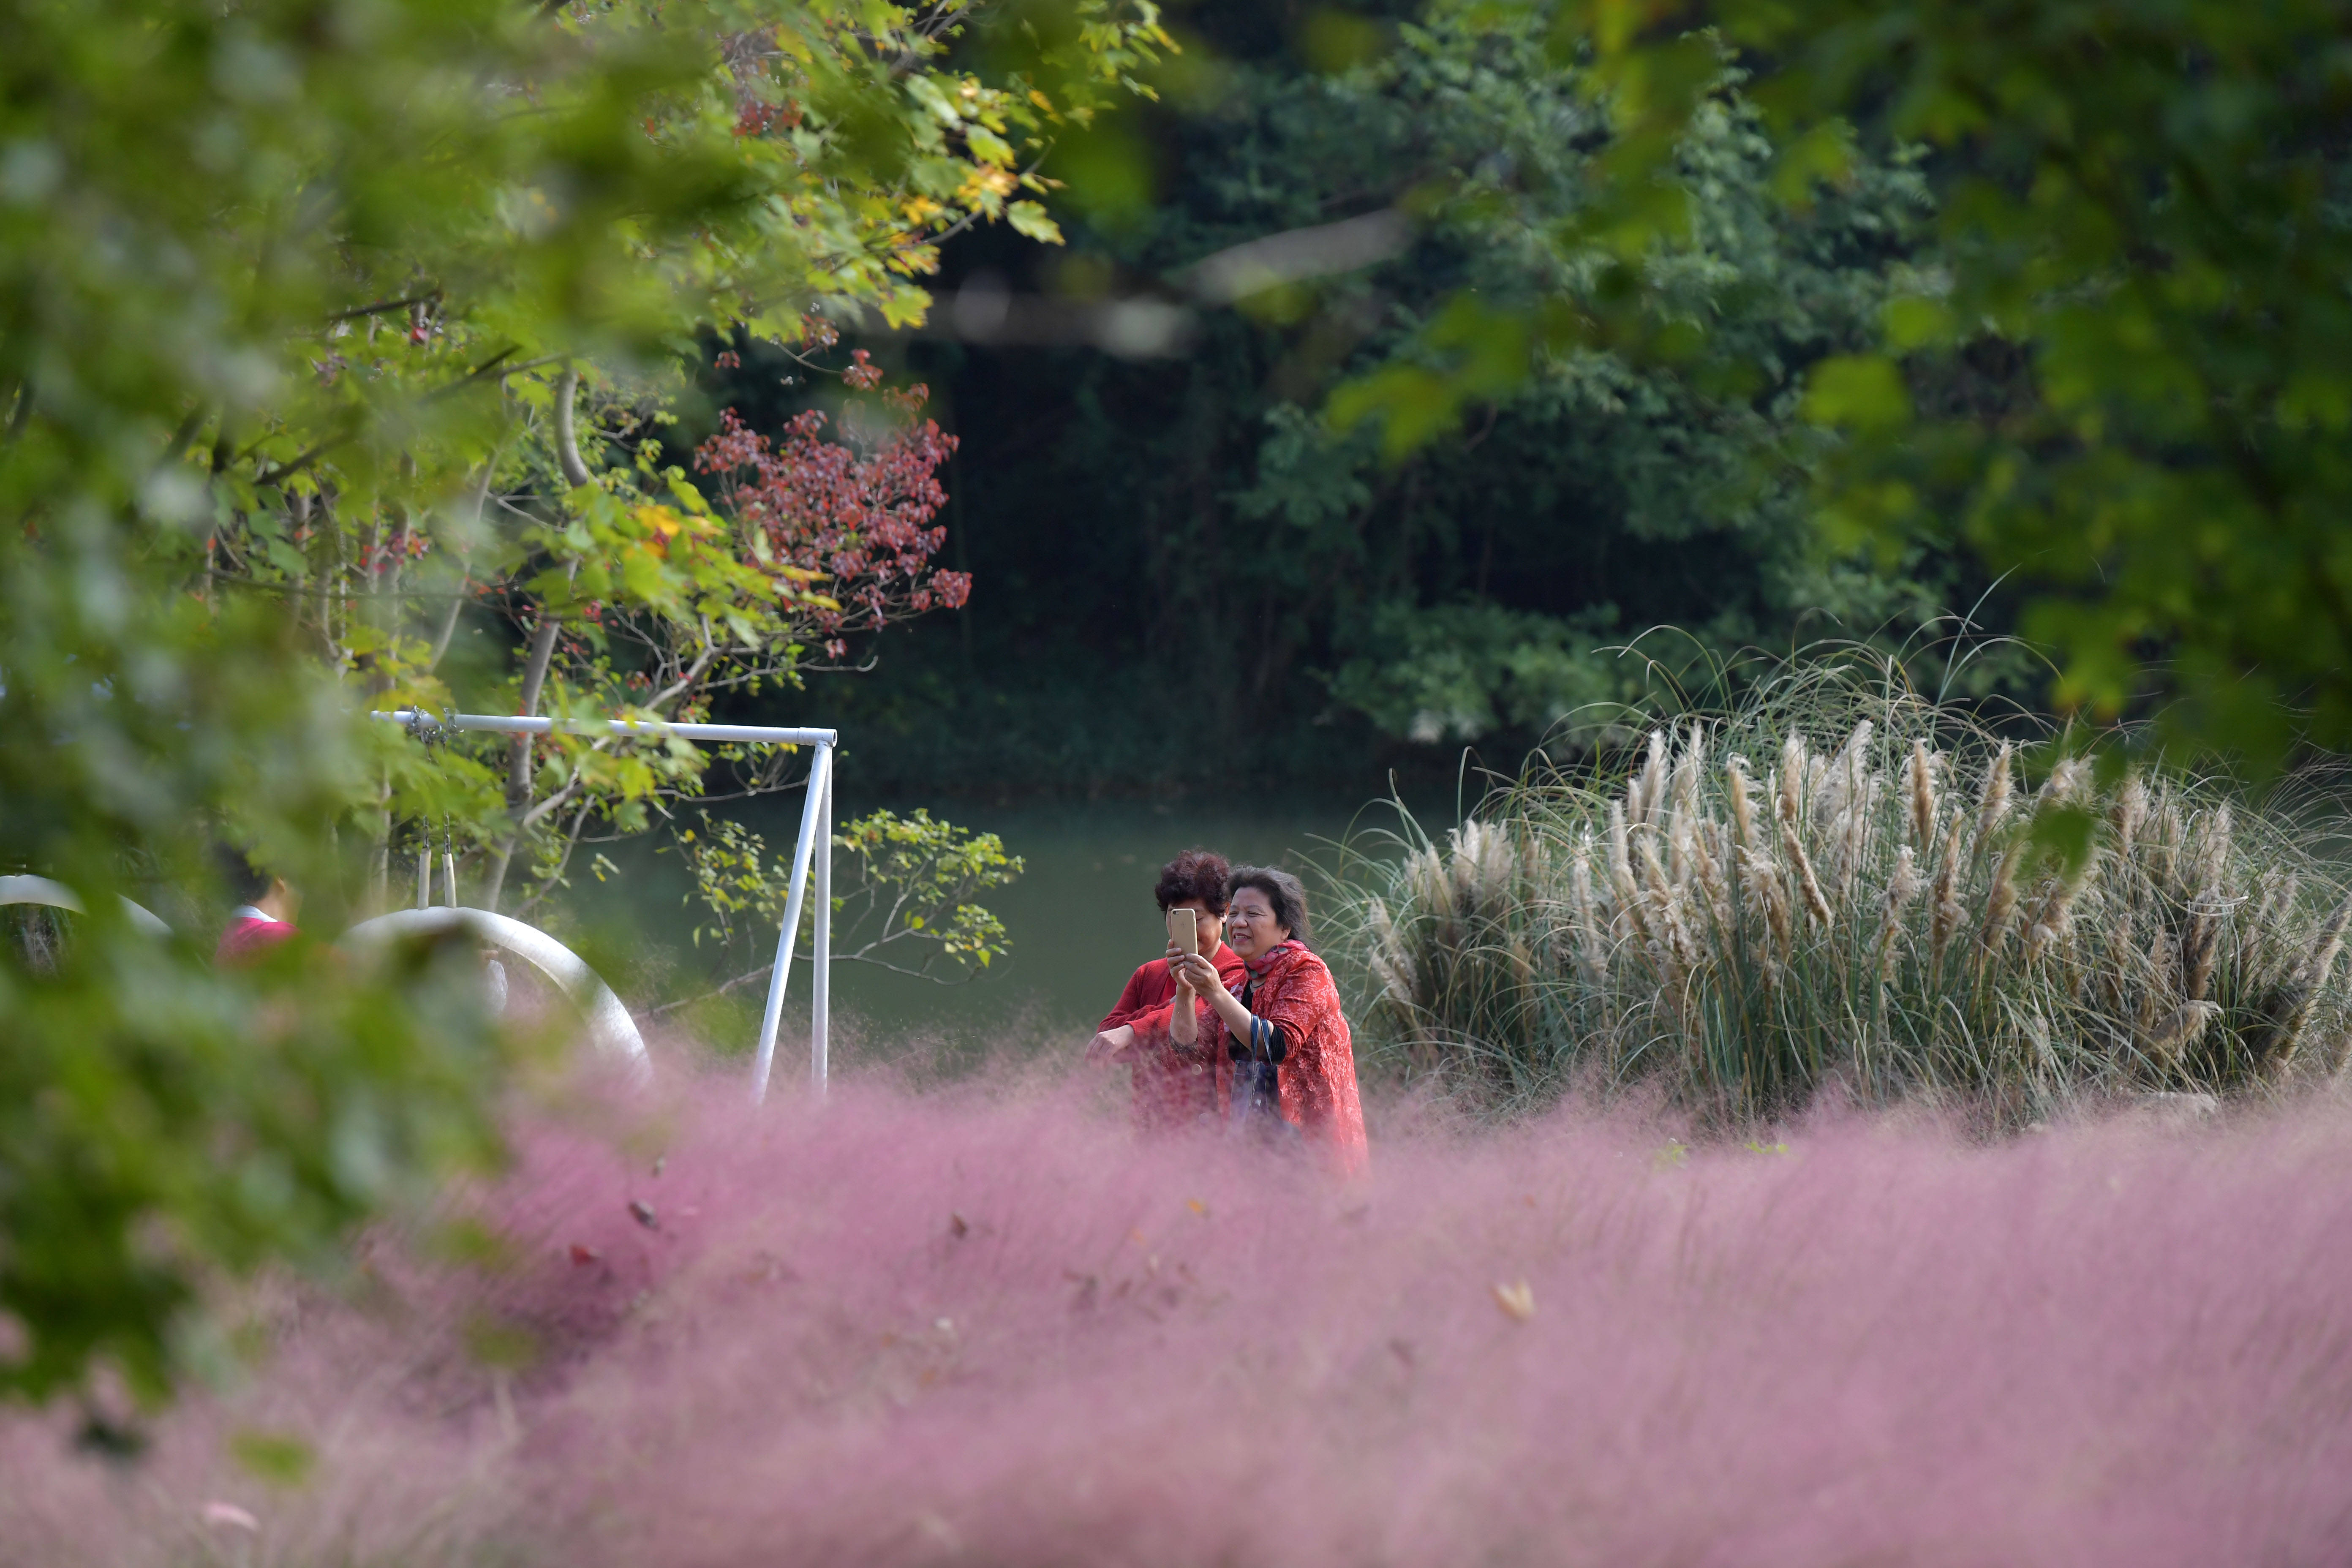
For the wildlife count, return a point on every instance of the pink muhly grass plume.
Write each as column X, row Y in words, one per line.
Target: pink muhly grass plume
column 229, row 1515
column 985, row 1325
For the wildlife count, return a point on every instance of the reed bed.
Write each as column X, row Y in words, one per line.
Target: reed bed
column 1849, row 884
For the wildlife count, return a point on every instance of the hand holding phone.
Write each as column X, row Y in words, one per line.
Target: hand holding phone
column 1183, row 938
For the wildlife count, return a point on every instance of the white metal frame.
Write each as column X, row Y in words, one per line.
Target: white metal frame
column 808, row 864
column 610, row 1028
column 57, row 896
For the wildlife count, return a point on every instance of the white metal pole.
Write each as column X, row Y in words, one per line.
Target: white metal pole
column 820, row 778
column 821, row 947
column 645, row 729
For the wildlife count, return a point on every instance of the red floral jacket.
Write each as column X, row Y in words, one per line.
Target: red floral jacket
column 1293, row 990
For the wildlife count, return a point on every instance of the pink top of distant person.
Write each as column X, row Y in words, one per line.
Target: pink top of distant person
column 254, row 928
column 250, row 934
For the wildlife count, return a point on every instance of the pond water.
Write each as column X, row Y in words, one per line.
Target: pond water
column 1080, row 918
column 1082, row 915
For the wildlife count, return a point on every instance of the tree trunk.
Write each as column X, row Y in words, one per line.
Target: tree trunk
column 542, row 650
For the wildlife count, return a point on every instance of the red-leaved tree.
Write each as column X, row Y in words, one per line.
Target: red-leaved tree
column 858, row 513
column 681, row 602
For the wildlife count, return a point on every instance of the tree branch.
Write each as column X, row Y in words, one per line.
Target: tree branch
column 381, row 306
column 863, row 956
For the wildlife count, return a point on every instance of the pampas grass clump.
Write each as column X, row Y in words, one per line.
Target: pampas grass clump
column 1856, row 886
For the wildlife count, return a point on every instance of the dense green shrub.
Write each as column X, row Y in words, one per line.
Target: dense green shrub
column 1851, row 884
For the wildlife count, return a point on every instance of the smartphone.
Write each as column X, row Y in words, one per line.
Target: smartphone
column 1184, row 930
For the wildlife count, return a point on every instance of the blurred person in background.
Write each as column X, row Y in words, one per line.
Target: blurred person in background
column 265, row 913
column 1293, row 1060
column 1174, row 1086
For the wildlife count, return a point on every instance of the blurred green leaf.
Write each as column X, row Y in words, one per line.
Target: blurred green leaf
column 313, row 322
column 1858, row 392
column 502, row 1346
column 279, row 1459
column 1914, row 322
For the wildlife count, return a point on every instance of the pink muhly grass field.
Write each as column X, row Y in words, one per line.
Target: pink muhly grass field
column 985, row 1326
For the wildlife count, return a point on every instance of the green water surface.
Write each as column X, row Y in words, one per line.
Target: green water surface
column 1080, row 918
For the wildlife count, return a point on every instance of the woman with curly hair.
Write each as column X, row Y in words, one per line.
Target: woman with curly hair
column 1174, row 1086
column 1294, row 1062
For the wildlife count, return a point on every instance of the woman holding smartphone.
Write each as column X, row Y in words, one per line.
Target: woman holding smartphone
column 1281, row 1027
column 1174, row 1086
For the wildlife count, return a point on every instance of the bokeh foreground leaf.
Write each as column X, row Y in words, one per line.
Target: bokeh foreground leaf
column 282, row 285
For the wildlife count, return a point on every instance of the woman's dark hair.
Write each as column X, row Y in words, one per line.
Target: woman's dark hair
column 247, row 882
column 1194, row 874
column 1282, row 890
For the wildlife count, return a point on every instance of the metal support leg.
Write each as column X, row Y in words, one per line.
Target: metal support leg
column 821, row 947
column 819, row 786
column 816, row 819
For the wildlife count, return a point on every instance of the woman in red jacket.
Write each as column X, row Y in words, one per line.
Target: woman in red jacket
column 1174, row 1087
column 1282, row 1027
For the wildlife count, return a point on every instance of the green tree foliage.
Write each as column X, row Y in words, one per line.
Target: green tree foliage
column 906, row 886
column 1471, row 584
column 290, row 295
column 1692, row 449
column 2121, row 373
column 636, row 594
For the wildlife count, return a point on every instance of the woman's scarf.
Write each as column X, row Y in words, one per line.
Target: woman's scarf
column 1264, row 961
column 1263, row 1035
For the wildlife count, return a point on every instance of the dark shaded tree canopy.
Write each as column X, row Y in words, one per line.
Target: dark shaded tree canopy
column 1135, row 524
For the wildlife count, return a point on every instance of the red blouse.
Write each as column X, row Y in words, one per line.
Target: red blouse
column 1175, row 1086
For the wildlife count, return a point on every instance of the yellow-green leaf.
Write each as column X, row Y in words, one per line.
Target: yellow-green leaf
column 1858, row 392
